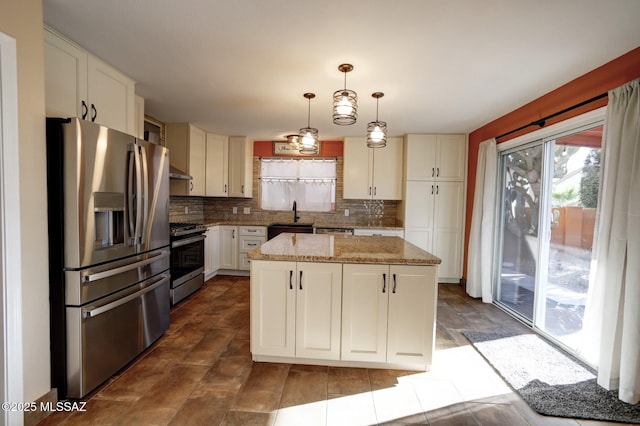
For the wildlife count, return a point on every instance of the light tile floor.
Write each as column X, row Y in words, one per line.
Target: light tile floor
column 200, row 373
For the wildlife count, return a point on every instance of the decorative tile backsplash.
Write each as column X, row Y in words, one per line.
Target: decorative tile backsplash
column 361, row 212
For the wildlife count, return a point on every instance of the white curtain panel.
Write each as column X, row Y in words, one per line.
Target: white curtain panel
column 612, row 317
column 481, row 239
column 309, row 182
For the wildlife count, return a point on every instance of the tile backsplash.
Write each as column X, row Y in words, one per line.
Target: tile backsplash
column 361, row 212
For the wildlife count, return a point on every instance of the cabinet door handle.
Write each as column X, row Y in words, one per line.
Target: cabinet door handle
column 375, row 190
column 242, row 189
column 395, row 283
column 433, row 172
column 85, row 110
column 431, row 189
column 300, row 280
column 95, row 112
column 437, row 189
column 290, row 280
column 384, row 283
column 191, row 186
column 369, row 190
column 438, row 172
column 225, row 188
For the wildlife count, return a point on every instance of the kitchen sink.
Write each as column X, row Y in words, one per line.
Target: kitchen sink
column 276, row 229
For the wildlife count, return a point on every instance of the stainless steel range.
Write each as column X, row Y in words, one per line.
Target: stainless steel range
column 187, row 259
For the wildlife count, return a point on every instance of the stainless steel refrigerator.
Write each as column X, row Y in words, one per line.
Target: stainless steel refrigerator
column 109, row 255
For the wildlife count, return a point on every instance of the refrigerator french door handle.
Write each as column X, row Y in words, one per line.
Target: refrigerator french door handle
column 144, row 199
column 86, row 277
column 131, row 194
column 91, row 313
column 138, row 224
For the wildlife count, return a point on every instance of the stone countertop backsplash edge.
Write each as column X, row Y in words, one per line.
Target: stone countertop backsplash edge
column 214, row 222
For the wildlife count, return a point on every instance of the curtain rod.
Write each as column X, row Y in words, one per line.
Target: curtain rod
column 541, row 122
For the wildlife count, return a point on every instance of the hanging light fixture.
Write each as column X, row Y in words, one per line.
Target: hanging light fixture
column 345, row 101
column 377, row 130
column 308, row 137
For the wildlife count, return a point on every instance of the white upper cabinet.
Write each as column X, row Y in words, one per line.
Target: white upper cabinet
column 217, row 172
column 373, row 173
column 240, row 167
column 187, row 152
column 435, row 157
column 78, row 84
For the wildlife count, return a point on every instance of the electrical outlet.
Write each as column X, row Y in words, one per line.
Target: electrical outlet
column 246, row 210
column 235, row 210
column 346, row 212
column 186, row 210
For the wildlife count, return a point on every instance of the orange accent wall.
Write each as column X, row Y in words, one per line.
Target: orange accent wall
column 602, row 79
column 327, row 149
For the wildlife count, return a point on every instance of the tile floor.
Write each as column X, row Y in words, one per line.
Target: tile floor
column 200, row 373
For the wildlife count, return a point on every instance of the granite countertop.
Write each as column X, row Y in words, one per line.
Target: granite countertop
column 342, row 249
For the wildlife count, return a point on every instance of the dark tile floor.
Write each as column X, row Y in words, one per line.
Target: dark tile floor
column 200, row 373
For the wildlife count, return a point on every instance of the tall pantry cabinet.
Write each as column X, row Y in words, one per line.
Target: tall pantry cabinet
column 434, row 198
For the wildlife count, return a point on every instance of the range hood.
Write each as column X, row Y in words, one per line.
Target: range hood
column 175, row 173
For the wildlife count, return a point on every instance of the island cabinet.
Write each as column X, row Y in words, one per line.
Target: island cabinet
column 295, row 309
column 353, row 301
column 388, row 314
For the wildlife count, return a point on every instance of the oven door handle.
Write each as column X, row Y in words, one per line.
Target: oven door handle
column 90, row 313
column 186, row 241
column 86, row 277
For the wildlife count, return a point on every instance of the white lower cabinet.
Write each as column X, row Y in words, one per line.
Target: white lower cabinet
column 295, row 309
column 250, row 237
column 434, row 221
column 412, row 314
column 228, row 247
column 388, row 314
column 365, row 304
column 211, row 251
column 350, row 315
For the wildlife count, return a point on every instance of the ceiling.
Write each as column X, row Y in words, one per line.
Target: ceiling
column 445, row 66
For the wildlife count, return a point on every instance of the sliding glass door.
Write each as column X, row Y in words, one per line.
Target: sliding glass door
column 549, row 192
column 521, row 177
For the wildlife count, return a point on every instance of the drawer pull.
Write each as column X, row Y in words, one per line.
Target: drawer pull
column 395, row 283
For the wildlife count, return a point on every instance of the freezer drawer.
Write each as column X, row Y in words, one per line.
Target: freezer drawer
column 105, row 336
column 90, row 284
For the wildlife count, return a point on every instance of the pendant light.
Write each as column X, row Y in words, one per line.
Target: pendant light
column 345, row 101
column 308, row 137
column 377, row 130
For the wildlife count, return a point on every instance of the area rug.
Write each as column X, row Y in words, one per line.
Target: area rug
column 550, row 381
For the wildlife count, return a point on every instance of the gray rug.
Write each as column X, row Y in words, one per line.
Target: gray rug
column 550, row 381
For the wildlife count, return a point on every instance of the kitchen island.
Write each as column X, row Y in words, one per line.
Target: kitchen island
column 363, row 301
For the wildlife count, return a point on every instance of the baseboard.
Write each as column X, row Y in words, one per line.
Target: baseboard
column 233, row 272
column 32, row 418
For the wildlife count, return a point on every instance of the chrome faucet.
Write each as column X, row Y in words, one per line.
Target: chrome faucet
column 295, row 212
